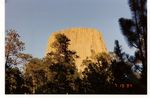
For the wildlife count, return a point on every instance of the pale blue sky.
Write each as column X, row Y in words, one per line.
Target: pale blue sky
column 36, row 19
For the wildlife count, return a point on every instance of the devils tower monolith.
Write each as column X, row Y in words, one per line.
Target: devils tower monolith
column 83, row 41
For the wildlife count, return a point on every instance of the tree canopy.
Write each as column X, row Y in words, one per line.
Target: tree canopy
column 104, row 73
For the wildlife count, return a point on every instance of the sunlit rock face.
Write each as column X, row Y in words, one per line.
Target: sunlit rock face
column 84, row 41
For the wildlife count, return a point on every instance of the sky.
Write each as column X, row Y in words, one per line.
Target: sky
column 35, row 20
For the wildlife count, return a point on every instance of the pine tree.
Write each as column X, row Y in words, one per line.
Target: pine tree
column 63, row 65
column 135, row 31
column 118, row 50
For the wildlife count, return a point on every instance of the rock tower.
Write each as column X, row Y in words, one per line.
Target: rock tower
column 82, row 40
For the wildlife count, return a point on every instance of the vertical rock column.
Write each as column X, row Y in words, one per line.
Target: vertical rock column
column 83, row 41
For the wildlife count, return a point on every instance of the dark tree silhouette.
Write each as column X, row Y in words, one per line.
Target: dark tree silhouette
column 123, row 70
column 62, row 66
column 135, row 32
column 118, row 50
column 14, row 81
column 97, row 75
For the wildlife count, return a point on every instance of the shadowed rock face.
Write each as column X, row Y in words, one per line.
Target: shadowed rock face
column 84, row 41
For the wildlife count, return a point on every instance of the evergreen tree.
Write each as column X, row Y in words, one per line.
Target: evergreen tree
column 36, row 74
column 97, row 75
column 135, row 32
column 118, row 50
column 62, row 66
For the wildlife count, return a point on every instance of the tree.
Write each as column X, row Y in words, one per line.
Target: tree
column 62, row 65
column 13, row 58
column 123, row 70
column 118, row 50
column 13, row 48
column 97, row 76
column 36, row 74
column 135, row 31
column 14, row 81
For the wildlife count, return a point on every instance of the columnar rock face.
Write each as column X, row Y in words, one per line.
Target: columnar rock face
column 84, row 41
